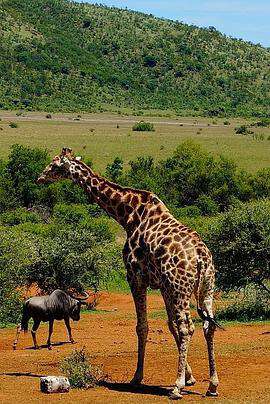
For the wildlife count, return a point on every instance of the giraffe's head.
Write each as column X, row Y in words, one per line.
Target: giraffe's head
column 59, row 168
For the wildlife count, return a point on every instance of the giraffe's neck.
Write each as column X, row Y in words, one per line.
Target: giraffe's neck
column 120, row 203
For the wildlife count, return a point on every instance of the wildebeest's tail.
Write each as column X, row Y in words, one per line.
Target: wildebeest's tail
column 25, row 318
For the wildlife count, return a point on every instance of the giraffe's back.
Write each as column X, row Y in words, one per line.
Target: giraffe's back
column 174, row 253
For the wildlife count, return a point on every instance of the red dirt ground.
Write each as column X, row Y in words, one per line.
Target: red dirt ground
column 243, row 357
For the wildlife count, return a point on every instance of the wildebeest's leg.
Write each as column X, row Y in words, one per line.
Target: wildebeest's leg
column 17, row 336
column 50, row 334
column 33, row 332
column 67, row 322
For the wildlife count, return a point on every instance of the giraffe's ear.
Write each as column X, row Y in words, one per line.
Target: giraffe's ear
column 66, row 151
column 65, row 162
column 56, row 161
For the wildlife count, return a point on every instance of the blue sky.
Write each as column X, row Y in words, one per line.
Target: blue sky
column 246, row 19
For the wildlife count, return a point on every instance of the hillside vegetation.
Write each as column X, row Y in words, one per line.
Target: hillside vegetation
column 59, row 55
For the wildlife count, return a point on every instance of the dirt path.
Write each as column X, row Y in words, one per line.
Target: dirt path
column 243, row 356
column 104, row 119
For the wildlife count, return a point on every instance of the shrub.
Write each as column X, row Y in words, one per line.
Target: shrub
column 10, row 307
column 19, row 215
column 143, row 127
column 70, row 214
column 115, row 169
column 242, row 130
column 253, row 305
column 63, row 191
column 261, row 183
column 187, row 211
column 8, row 197
column 81, row 374
column 72, row 258
column 226, row 123
column 13, row 125
column 24, row 166
column 240, row 243
column 264, row 122
column 207, row 205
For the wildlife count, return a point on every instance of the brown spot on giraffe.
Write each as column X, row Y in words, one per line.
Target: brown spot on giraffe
column 159, row 252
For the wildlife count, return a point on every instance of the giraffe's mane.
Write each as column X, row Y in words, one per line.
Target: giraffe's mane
column 111, row 183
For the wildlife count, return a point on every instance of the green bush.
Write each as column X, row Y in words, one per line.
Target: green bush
column 143, row 127
column 13, row 125
column 261, row 183
column 70, row 214
column 240, row 243
column 115, row 169
column 207, row 205
column 8, row 196
column 78, row 369
column 242, row 130
column 63, row 191
column 24, row 166
column 264, row 122
column 10, row 307
column 18, row 216
column 253, row 305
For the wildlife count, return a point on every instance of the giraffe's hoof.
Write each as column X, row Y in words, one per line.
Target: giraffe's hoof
column 211, row 394
column 191, row 381
column 175, row 395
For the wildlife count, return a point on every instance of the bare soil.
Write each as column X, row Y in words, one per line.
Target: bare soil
column 243, row 358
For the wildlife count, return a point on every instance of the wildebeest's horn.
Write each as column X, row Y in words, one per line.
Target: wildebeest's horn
column 81, row 299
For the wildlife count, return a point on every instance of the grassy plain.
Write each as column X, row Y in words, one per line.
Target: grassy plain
column 101, row 137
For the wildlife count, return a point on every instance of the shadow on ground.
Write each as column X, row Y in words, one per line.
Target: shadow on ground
column 25, row 374
column 52, row 345
column 143, row 389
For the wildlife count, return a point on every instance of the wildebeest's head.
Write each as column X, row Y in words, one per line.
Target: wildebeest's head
column 59, row 168
column 75, row 311
column 76, row 306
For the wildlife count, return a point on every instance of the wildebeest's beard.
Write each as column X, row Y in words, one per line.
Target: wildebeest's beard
column 75, row 313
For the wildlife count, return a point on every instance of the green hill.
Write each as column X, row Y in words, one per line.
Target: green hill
column 59, row 55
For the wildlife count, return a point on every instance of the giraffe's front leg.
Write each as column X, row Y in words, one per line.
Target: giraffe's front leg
column 139, row 296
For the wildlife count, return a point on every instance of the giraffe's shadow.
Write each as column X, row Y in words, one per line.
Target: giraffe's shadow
column 143, row 389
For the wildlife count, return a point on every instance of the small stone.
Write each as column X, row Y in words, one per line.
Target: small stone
column 54, row 384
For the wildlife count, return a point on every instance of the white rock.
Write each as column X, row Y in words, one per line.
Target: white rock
column 54, row 384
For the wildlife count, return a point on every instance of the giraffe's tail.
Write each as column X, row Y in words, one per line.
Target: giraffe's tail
column 204, row 297
column 206, row 317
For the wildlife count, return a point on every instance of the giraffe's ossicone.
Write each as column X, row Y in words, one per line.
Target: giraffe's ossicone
column 159, row 252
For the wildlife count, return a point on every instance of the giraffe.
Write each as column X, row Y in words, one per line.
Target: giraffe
column 159, row 252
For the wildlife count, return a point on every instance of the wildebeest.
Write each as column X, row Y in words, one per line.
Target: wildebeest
column 57, row 306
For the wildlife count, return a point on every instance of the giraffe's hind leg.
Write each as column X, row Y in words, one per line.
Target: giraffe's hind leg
column 189, row 378
column 205, row 309
column 209, row 330
column 181, row 327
